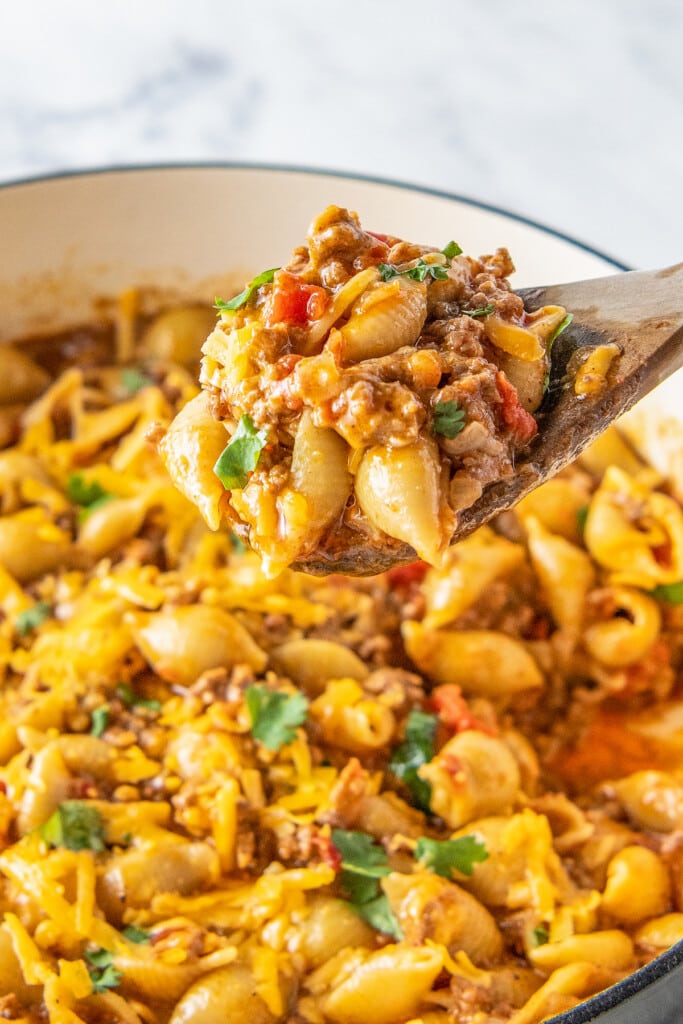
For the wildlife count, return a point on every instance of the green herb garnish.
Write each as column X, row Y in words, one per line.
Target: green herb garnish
column 450, row 855
column 137, row 935
column 99, row 720
column 103, row 975
column 562, row 326
column 482, row 311
column 451, row 250
column 76, row 826
column 241, row 300
column 417, row 749
column 237, row 544
column 363, row 864
column 241, row 455
column 419, row 272
column 134, row 380
column 449, row 419
column 90, row 496
column 671, row 592
column 128, row 696
column 582, row 517
column 540, row 935
column 29, row 620
column 275, row 716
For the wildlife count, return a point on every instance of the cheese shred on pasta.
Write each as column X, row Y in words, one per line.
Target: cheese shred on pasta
column 435, row 795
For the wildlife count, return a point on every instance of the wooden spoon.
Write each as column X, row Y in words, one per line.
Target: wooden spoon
column 642, row 312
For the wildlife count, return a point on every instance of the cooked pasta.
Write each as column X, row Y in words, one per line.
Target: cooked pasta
column 367, row 392
column 441, row 795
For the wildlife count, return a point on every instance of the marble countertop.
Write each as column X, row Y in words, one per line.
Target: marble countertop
column 570, row 114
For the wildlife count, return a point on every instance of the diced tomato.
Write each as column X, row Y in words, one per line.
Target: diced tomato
column 380, row 237
column 454, row 711
column 404, row 575
column 521, row 423
column 663, row 554
column 329, row 853
column 292, row 301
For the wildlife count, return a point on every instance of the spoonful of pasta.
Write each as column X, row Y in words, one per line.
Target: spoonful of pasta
column 375, row 400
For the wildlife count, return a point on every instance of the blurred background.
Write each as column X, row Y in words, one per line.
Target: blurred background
column 568, row 113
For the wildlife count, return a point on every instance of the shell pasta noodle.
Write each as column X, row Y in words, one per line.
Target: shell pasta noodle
column 368, row 391
column 445, row 794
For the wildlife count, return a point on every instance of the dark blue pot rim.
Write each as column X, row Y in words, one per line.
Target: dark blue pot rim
column 666, row 962
column 83, row 172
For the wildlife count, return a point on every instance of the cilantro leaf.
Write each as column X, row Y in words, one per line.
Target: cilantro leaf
column 364, row 862
column 89, row 496
column 449, row 419
column 417, row 749
column 104, row 975
column 241, row 300
column 482, row 311
column 99, row 720
column 76, row 826
column 29, row 620
column 137, row 935
column 443, row 857
column 671, row 592
column 451, row 250
column 582, row 517
column 237, row 544
column 540, row 935
column 241, row 454
column 134, row 380
column 419, row 272
column 128, row 696
column 274, row 715
column 379, row 915
column 562, row 326
column 360, row 853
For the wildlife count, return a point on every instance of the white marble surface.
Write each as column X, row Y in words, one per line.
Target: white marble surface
column 569, row 113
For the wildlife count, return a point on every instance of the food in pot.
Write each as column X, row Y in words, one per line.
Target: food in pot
column 443, row 794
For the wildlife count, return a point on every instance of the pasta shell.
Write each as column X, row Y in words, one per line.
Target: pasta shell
column 183, row 642
column 320, row 472
column 226, row 995
column 189, row 451
column 399, row 491
column 386, row 317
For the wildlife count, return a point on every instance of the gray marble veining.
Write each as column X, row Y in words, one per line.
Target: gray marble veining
column 571, row 114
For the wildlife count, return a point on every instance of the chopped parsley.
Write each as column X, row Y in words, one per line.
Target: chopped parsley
column 29, row 620
column 363, row 863
column 419, row 272
column 451, row 250
column 99, row 720
column 582, row 518
column 137, row 935
column 241, row 455
column 275, row 716
column 76, row 826
column 134, row 380
column 128, row 696
column 452, row 854
column 243, row 298
column 671, row 592
column 540, row 935
column 449, row 419
column 103, row 974
column 89, row 496
column 417, row 749
column 482, row 311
